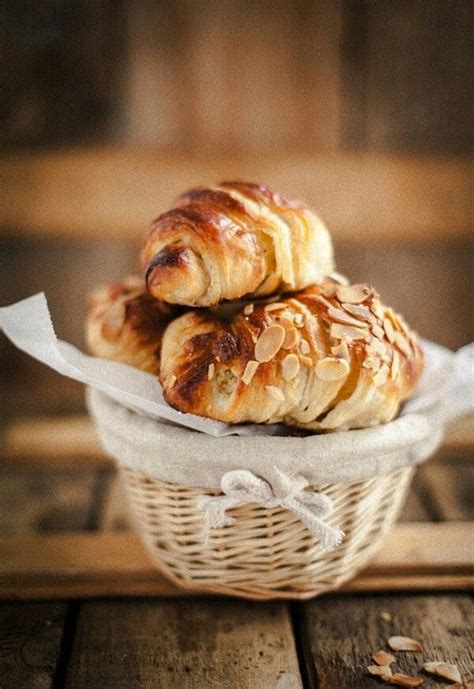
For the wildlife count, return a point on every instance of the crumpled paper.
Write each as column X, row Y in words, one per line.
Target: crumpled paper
column 445, row 391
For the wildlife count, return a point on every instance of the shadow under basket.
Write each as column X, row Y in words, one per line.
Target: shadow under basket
column 265, row 553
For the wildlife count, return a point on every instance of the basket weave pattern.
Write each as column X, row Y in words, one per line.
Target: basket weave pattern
column 265, row 553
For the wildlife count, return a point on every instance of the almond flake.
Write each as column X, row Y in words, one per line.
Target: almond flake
column 342, row 317
column 352, row 294
column 402, row 680
column 248, row 309
column 274, row 392
column 383, row 658
column 114, row 320
column 381, row 377
column 249, row 372
column 382, row 671
column 339, row 278
column 340, row 331
column 444, row 670
column 291, row 336
column 290, row 366
column 373, row 363
column 298, row 320
column 389, row 331
column 329, row 290
column 402, row 344
column 304, row 347
column 210, row 371
column 306, row 361
column 330, row 369
column 172, row 381
column 359, row 312
column 341, row 350
column 269, row 343
column 321, row 300
column 276, row 306
column 395, row 365
column 377, row 309
column 376, row 347
column 404, row 643
column 378, row 331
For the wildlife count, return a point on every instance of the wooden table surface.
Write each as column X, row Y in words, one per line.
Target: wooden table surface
column 55, row 484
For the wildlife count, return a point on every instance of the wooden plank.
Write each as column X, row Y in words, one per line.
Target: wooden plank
column 94, row 564
column 30, row 644
column 47, row 501
column 72, row 441
column 340, row 634
column 114, row 193
column 449, row 488
column 171, row 644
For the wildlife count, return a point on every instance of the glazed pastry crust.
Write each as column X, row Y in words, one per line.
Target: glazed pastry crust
column 331, row 357
column 232, row 240
column 126, row 324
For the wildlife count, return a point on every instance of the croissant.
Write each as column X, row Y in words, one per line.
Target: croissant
column 233, row 240
column 330, row 357
column 126, row 324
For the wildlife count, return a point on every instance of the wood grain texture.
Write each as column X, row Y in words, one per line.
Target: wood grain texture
column 30, row 642
column 116, row 564
column 113, row 193
column 340, row 634
column 171, row 644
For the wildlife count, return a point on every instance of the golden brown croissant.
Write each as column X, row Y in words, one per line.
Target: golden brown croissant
column 331, row 357
column 126, row 324
column 232, row 240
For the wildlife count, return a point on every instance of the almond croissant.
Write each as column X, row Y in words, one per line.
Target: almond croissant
column 233, row 240
column 331, row 357
column 126, row 324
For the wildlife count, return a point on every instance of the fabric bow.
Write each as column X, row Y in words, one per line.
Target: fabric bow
column 241, row 487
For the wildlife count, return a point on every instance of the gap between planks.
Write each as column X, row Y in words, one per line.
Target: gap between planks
column 117, row 564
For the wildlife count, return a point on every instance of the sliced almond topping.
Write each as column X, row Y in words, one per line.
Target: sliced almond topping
column 339, row 331
column 383, row 658
column 402, row 344
column 378, row 331
column 402, row 680
column 329, row 290
column 210, row 371
column 290, row 366
column 339, row 278
column 304, row 347
column 381, row 377
column 382, row 671
column 298, row 319
column 114, row 320
column 373, row 363
column 375, row 347
column 172, row 381
column 341, row 350
column 342, row 317
column 249, row 372
column 269, row 343
column 395, row 368
column 330, row 369
column 322, row 300
column 274, row 392
column 248, row 309
column 291, row 337
column 389, row 331
column 377, row 309
column 445, row 670
column 352, row 294
column 306, row 361
column 404, row 643
column 359, row 312
column 276, row 306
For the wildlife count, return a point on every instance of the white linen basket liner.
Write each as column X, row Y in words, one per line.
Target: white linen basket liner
column 272, row 516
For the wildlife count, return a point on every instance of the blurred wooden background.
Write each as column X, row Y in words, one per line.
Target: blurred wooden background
column 110, row 108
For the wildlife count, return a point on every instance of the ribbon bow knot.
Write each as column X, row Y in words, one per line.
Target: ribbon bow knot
column 242, row 487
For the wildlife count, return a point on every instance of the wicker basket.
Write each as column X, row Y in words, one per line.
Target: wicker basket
column 265, row 553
